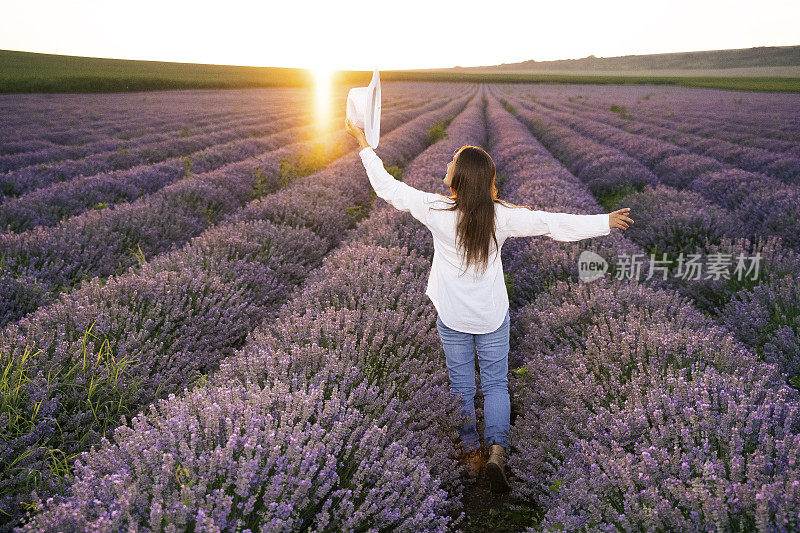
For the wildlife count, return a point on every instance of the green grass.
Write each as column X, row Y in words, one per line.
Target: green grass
column 28, row 72
column 95, row 373
column 510, row 517
column 437, row 132
column 187, row 167
column 610, row 200
column 304, row 164
column 396, row 172
column 743, row 83
column 621, row 110
column 261, row 184
column 24, row 72
column 509, row 279
column 357, row 212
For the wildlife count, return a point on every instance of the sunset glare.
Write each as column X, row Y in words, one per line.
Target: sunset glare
column 364, row 35
column 322, row 97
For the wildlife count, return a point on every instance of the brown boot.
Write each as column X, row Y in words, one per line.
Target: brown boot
column 474, row 461
column 496, row 469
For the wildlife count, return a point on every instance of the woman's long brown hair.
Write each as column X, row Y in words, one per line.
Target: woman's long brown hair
column 474, row 194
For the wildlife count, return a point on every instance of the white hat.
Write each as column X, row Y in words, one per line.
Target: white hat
column 364, row 109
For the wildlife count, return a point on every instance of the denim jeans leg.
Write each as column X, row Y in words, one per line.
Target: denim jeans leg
column 459, row 349
column 493, row 361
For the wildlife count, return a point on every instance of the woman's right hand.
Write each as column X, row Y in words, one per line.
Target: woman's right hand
column 356, row 132
column 619, row 218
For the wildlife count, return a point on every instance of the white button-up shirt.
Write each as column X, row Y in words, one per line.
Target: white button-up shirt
column 470, row 301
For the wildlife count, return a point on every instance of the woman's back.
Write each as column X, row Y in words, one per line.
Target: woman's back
column 470, row 300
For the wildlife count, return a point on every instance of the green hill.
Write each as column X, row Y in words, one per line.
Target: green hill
column 28, row 72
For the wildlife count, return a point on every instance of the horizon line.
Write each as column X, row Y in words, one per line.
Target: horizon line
column 399, row 69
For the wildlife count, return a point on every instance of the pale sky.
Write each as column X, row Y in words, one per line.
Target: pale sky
column 369, row 34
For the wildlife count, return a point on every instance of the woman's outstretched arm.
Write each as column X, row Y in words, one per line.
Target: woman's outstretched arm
column 400, row 195
column 565, row 227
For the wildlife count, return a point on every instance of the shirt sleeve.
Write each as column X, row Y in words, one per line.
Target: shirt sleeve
column 401, row 195
column 565, row 227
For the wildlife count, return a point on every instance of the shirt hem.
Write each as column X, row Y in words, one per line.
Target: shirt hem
column 495, row 328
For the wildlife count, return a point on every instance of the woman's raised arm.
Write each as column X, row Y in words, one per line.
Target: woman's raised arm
column 400, row 195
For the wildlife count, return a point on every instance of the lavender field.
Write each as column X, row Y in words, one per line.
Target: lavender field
column 209, row 321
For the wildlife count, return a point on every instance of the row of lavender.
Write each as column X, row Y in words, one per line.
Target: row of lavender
column 73, row 119
column 753, row 117
column 759, row 131
column 318, row 419
column 17, row 182
column 43, row 262
column 148, row 334
column 758, row 304
column 178, row 126
column 534, row 167
column 161, row 424
column 779, row 164
column 761, row 205
column 55, row 193
column 614, row 159
column 121, row 178
column 764, row 315
column 78, row 123
column 27, row 171
column 637, row 412
column 678, row 166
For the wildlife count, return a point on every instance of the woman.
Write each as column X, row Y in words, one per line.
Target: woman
column 466, row 283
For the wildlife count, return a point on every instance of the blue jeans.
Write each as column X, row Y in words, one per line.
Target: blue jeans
column 492, row 350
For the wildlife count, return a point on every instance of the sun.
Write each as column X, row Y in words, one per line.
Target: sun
column 322, row 95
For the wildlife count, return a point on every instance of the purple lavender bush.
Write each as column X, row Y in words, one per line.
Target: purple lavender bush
column 47, row 206
column 564, row 315
column 266, row 458
column 783, row 166
column 203, row 152
column 601, row 395
column 767, row 319
column 748, row 263
column 676, row 222
column 603, row 367
column 692, row 449
column 606, row 171
column 101, row 189
column 370, row 354
column 768, row 204
column 238, row 255
column 106, row 242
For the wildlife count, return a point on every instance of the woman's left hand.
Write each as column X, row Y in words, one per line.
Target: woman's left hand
column 356, row 133
column 619, row 218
